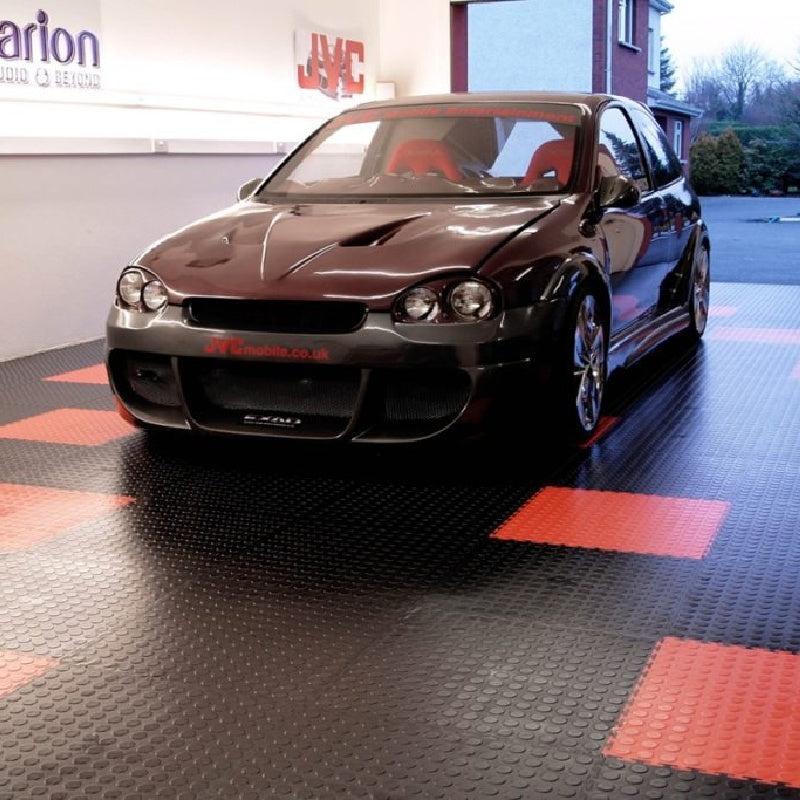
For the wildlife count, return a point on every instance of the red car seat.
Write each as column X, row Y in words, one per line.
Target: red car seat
column 422, row 156
column 551, row 157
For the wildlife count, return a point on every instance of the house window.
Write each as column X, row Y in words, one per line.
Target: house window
column 626, row 21
column 677, row 138
column 651, row 51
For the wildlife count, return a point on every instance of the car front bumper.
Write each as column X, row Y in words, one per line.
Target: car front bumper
column 385, row 382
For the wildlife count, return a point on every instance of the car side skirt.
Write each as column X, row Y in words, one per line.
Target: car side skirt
column 640, row 339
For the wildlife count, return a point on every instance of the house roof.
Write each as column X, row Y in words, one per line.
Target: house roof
column 662, row 6
column 661, row 101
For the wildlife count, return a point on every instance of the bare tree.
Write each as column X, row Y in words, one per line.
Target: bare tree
column 766, row 98
column 742, row 84
column 741, row 68
column 794, row 64
column 704, row 88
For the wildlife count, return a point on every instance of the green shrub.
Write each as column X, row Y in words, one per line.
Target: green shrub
column 747, row 132
column 767, row 163
column 718, row 163
column 772, row 155
column 703, row 161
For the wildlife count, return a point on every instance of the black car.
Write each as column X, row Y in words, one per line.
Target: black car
column 418, row 267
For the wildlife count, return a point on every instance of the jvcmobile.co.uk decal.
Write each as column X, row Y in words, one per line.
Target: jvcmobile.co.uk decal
column 234, row 346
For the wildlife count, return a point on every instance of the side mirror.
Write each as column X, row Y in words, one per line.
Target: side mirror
column 617, row 190
column 246, row 189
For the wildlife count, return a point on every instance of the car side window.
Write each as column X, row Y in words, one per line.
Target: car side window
column 664, row 163
column 618, row 153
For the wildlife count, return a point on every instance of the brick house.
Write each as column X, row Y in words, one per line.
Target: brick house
column 611, row 46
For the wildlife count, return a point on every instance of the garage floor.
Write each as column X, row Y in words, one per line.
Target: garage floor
column 211, row 620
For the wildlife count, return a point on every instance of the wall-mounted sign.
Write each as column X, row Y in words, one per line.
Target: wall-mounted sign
column 52, row 46
column 329, row 63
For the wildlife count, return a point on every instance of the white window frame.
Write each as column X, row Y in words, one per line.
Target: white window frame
column 677, row 138
column 626, row 23
column 651, row 51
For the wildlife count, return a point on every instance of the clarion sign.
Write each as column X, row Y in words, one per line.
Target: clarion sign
column 38, row 43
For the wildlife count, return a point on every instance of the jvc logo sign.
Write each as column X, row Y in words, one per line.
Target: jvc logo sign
column 331, row 64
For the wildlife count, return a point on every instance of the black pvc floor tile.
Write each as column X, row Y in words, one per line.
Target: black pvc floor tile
column 747, row 603
column 312, row 623
column 588, row 590
column 18, row 372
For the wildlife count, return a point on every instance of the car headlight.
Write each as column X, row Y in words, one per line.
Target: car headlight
column 154, row 295
column 471, row 300
column 129, row 287
column 420, row 303
column 139, row 290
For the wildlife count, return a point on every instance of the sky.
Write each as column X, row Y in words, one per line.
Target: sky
column 699, row 29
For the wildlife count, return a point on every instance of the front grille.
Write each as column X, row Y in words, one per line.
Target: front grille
column 276, row 316
column 236, row 389
column 424, row 395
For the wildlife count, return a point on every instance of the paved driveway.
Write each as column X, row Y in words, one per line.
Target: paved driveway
column 746, row 251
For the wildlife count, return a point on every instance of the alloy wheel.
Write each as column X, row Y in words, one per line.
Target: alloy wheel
column 589, row 363
column 701, row 285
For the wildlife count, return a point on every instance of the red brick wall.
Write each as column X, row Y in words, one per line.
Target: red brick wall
column 667, row 121
column 599, row 38
column 459, row 47
column 629, row 65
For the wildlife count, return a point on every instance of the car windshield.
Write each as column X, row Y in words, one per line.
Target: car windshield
column 435, row 150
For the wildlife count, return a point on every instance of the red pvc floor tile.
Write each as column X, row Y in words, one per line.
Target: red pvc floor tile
column 93, row 374
column 617, row 521
column 18, row 669
column 766, row 335
column 80, row 426
column 603, row 427
column 722, row 311
column 30, row 514
column 715, row 708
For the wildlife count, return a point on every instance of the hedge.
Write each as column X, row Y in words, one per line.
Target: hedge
column 745, row 158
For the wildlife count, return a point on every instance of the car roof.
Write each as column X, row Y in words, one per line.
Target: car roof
column 590, row 100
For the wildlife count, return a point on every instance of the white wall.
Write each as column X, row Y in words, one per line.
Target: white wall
column 70, row 224
column 212, row 89
column 415, row 45
column 504, row 36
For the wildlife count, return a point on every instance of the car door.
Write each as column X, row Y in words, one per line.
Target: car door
column 668, row 179
column 638, row 250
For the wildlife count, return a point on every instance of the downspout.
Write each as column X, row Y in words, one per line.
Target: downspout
column 609, row 43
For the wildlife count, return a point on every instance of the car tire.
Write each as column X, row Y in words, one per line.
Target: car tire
column 699, row 292
column 582, row 366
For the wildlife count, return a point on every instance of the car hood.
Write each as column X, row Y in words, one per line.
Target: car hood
column 352, row 251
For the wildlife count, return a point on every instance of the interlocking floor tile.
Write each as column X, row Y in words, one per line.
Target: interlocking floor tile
column 618, row 521
column 313, row 623
column 30, row 514
column 605, row 425
column 94, row 374
column 760, row 335
column 80, row 426
column 17, row 669
column 722, row 311
column 716, row 708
